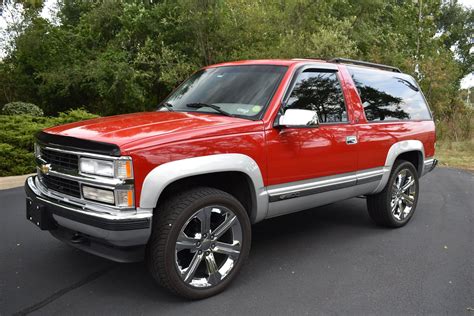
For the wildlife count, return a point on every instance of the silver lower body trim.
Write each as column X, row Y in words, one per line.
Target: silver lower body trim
column 293, row 197
column 319, row 185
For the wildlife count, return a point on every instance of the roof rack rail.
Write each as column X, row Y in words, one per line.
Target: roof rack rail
column 363, row 63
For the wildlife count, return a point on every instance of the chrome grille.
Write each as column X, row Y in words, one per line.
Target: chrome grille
column 60, row 159
column 61, row 185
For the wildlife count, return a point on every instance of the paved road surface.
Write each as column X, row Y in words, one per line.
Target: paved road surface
column 327, row 260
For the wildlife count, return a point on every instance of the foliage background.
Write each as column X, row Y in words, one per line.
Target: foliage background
column 111, row 57
column 16, row 135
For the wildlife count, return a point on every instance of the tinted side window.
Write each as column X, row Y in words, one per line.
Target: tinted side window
column 389, row 96
column 321, row 92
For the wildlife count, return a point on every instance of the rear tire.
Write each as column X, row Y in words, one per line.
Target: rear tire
column 395, row 204
column 199, row 241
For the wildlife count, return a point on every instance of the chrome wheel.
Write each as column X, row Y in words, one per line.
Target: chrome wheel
column 403, row 194
column 208, row 246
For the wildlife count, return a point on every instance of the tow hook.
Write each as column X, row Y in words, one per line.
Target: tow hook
column 78, row 239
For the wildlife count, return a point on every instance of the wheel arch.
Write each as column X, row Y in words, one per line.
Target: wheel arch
column 222, row 171
column 415, row 157
column 410, row 150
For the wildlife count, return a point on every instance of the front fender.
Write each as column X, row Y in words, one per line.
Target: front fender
column 162, row 176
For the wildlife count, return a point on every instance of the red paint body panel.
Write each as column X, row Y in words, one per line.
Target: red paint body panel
column 303, row 153
column 283, row 155
column 376, row 138
column 247, row 143
column 139, row 128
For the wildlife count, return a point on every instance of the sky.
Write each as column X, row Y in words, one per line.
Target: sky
column 50, row 8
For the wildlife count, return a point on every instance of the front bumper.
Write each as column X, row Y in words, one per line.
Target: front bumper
column 119, row 238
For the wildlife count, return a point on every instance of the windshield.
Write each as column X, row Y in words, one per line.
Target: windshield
column 242, row 91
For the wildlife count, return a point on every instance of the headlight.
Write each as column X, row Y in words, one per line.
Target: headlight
column 98, row 167
column 100, row 195
column 120, row 169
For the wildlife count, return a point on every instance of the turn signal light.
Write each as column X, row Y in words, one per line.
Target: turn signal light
column 125, row 198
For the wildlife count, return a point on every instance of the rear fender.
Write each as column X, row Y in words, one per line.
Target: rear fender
column 396, row 150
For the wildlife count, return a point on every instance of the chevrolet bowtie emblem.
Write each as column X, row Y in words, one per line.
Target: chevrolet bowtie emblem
column 45, row 168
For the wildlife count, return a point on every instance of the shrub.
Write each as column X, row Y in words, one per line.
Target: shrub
column 74, row 116
column 459, row 126
column 21, row 108
column 17, row 138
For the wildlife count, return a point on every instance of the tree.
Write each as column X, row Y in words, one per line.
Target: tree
column 115, row 57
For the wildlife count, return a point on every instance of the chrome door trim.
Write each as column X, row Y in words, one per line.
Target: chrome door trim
column 324, row 184
column 311, row 191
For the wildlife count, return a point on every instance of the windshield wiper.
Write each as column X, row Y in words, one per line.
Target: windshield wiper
column 211, row 106
column 166, row 105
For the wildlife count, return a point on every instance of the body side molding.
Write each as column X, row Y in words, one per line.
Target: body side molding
column 314, row 186
column 394, row 151
column 160, row 177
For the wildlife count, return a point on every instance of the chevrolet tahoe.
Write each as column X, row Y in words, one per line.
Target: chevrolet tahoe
column 235, row 144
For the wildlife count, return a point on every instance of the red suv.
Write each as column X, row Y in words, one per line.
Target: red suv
column 234, row 144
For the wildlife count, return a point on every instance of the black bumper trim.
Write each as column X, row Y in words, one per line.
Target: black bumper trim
column 100, row 248
column 64, row 211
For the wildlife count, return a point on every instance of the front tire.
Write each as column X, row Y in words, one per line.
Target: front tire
column 199, row 241
column 395, row 204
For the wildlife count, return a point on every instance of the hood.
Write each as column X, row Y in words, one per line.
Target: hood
column 138, row 129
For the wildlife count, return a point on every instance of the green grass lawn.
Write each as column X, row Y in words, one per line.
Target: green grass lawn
column 456, row 154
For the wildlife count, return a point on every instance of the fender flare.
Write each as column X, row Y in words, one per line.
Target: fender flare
column 163, row 175
column 395, row 151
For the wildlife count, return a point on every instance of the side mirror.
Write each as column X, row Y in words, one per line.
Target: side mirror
column 299, row 118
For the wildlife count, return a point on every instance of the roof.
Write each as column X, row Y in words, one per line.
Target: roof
column 276, row 62
column 289, row 62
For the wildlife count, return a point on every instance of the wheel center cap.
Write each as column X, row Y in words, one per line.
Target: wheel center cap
column 206, row 244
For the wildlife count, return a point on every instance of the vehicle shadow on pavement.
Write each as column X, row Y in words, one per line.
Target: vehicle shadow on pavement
column 310, row 231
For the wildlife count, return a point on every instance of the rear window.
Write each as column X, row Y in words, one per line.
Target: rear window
column 389, row 96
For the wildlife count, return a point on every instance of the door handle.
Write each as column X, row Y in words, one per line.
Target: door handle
column 351, row 140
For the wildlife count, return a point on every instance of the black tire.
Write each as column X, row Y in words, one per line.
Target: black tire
column 169, row 220
column 379, row 205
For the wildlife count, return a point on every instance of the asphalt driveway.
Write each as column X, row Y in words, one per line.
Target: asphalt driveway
column 328, row 260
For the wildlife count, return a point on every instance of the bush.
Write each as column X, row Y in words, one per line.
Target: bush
column 457, row 127
column 74, row 116
column 17, row 138
column 21, row 108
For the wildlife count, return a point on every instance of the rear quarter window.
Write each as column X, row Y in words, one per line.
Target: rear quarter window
column 389, row 96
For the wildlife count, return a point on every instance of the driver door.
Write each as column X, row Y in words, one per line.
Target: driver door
column 308, row 153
